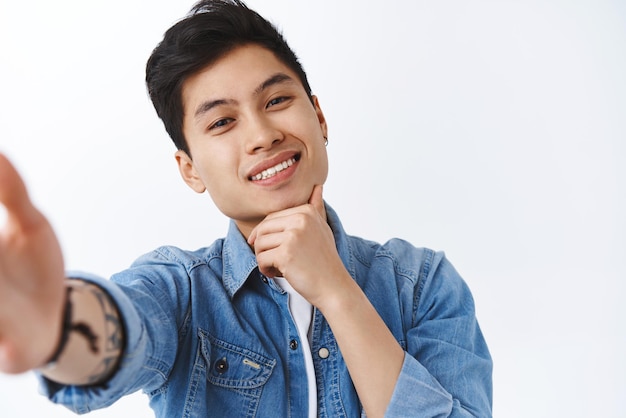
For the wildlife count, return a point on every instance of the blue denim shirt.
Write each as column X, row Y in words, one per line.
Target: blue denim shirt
column 207, row 335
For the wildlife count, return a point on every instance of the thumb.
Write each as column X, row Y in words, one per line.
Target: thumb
column 317, row 200
column 13, row 194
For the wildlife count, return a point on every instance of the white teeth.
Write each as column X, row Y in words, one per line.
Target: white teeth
column 265, row 174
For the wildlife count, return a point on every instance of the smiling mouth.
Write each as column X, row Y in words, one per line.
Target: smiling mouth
column 272, row 171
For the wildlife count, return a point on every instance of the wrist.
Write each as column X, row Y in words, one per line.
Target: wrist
column 342, row 297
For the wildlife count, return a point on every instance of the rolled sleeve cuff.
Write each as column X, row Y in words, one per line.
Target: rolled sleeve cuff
column 418, row 392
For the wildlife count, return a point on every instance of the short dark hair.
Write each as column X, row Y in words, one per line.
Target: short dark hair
column 210, row 30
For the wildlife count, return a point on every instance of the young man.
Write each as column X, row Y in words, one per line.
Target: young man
column 287, row 315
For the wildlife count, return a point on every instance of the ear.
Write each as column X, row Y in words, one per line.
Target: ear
column 320, row 116
column 188, row 172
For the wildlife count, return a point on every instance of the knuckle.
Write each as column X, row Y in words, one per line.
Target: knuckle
column 301, row 221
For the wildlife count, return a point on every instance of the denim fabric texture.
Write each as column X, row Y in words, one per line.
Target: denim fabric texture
column 208, row 336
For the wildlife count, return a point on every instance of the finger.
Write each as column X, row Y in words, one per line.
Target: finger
column 317, row 200
column 272, row 223
column 268, row 241
column 264, row 246
column 252, row 236
column 13, row 194
column 267, row 260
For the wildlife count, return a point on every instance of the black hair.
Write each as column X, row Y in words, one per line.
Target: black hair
column 210, row 30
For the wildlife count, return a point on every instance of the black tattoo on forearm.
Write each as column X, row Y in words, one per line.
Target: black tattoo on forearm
column 113, row 341
column 70, row 326
column 113, row 326
column 86, row 331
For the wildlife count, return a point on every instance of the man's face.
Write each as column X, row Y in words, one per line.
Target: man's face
column 256, row 139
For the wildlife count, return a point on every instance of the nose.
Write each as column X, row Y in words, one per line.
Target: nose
column 262, row 135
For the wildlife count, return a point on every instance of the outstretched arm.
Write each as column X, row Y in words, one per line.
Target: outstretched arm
column 43, row 316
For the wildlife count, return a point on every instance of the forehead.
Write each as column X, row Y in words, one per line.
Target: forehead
column 237, row 72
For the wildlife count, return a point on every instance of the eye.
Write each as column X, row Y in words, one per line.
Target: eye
column 221, row 123
column 277, row 100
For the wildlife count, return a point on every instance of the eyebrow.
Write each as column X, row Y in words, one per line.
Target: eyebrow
column 269, row 82
column 210, row 104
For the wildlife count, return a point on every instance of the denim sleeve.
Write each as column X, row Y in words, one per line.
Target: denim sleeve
column 152, row 298
column 447, row 370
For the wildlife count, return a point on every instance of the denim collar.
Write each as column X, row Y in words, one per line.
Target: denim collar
column 240, row 262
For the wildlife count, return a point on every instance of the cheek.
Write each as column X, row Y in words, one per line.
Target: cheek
column 323, row 167
column 222, row 196
column 303, row 120
column 221, row 178
column 217, row 181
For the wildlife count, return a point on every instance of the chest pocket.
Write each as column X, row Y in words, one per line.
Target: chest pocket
column 231, row 367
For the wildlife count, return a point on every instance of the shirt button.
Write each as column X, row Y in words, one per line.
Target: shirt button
column 293, row 344
column 264, row 279
column 221, row 365
column 323, row 352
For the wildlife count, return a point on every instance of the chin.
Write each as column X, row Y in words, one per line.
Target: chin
column 286, row 204
column 257, row 213
column 259, row 206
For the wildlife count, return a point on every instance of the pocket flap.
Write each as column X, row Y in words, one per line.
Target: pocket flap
column 234, row 367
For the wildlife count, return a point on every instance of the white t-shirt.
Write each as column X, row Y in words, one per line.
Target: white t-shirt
column 302, row 314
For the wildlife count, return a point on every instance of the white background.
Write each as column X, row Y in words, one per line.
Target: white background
column 493, row 130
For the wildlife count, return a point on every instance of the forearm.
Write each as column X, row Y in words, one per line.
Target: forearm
column 373, row 356
column 93, row 341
